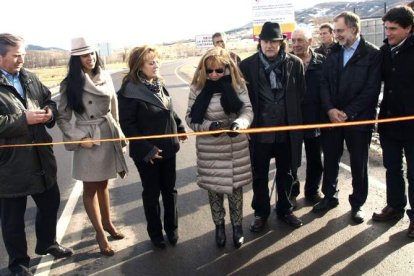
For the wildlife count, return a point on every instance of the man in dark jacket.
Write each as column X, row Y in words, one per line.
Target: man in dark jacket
column 349, row 92
column 398, row 101
column 25, row 109
column 219, row 40
column 276, row 84
column 311, row 109
column 327, row 38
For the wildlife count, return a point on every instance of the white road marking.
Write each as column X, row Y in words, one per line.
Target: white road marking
column 45, row 264
column 43, row 269
column 371, row 180
column 178, row 76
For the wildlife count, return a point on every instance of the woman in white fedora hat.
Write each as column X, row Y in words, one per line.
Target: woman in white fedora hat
column 89, row 94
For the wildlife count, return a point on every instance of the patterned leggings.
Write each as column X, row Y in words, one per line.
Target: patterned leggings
column 235, row 205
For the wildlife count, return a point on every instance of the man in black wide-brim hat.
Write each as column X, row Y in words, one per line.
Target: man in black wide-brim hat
column 276, row 84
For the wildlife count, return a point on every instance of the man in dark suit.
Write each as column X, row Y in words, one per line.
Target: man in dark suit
column 276, row 84
column 349, row 92
column 397, row 139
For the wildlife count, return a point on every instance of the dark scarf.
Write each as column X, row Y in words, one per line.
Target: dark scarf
column 229, row 99
column 154, row 86
column 274, row 69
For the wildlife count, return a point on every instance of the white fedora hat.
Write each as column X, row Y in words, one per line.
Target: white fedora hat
column 81, row 46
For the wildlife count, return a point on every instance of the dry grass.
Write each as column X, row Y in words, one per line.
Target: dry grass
column 52, row 76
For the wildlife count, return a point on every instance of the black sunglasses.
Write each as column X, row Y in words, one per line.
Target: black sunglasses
column 218, row 71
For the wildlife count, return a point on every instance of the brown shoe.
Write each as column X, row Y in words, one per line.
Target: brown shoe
column 388, row 213
column 410, row 232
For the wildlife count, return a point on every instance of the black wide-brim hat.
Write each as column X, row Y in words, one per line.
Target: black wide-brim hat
column 271, row 31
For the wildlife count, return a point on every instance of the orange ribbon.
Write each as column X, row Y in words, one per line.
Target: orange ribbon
column 249, row 130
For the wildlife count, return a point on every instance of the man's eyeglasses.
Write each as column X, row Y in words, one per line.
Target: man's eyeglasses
column 218, row 71
column 339, row 31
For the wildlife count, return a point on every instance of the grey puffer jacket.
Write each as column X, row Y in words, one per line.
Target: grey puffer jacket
column 25, row 170
column 223, row 162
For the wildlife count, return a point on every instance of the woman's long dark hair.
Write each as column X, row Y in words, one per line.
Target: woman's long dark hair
column 75, row 81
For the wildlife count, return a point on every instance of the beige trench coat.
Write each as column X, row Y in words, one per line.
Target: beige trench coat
column 99, row 121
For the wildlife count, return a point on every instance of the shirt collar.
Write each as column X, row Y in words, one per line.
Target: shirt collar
column 8, row 75
column 399, row 44
column 354, row 46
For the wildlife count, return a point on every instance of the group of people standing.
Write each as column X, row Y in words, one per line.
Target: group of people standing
column 336, row 83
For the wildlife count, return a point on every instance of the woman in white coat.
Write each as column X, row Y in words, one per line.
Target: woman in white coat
column 219, row 100
column 89, row 94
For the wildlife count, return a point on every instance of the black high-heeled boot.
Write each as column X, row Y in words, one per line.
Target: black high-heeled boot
column 220, row 235
column 238, row 238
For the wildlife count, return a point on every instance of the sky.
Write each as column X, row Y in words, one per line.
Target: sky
column 125, row 23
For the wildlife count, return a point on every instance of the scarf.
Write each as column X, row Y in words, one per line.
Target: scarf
column 229, row 99
column 274, row 69
column 154, row 86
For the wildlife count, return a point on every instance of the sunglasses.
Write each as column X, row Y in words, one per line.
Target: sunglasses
column 218, row 71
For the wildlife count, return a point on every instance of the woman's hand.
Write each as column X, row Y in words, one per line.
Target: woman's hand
column 86, row 143
column 182, row 138
column 157, row 155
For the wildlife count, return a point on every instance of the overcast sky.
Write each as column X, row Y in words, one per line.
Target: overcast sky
column 124, row 22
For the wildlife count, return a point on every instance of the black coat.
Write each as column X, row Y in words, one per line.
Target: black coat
column 354, row 89
column 295, row 89
column 312, row 102
column 141, row 113
column 398, row 99
column 25, row 170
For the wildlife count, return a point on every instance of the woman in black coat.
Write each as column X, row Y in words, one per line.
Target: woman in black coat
column 145, row 108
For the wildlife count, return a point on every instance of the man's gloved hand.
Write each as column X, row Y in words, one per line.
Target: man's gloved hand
column 233, row 126
column 215, row 126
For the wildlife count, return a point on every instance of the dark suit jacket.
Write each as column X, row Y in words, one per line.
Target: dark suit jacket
column 312, row 102
column 398, row 100
column 294, row 84
column 354, row 88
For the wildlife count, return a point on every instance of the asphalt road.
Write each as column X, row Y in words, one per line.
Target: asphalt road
column 328, row 245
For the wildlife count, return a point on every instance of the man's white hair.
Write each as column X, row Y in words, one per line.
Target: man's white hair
column 307, row 33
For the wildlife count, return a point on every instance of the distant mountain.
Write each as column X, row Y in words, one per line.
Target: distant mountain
column 365, row 9
column 327, row 11
column 31, row 47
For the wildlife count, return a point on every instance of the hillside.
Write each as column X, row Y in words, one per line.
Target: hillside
column 365, row 9
column 31, row 47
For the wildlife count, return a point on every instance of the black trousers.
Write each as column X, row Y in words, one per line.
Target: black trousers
column 393, row 152
column 12, row 212
column 261, row 154
column 159, row 178
column 314, row 168
column 357, row 143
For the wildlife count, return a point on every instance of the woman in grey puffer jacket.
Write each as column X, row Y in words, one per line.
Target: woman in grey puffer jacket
column 219, row 100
